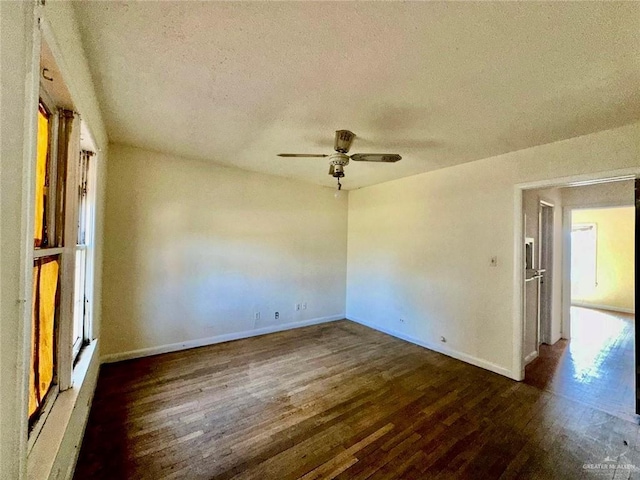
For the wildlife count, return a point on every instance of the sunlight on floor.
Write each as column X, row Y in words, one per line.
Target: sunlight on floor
column 594, row 334
column 595, row 367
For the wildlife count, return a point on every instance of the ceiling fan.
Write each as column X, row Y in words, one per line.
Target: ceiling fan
column 340, row 159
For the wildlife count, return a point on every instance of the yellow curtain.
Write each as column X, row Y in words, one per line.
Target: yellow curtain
column 48, row 303
column 33, row 396
column 45, row 304
column 41, row 176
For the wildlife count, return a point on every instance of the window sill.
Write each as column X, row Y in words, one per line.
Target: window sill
column 43, row 462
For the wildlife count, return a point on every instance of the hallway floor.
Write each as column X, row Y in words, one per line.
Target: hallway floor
column 596, row 367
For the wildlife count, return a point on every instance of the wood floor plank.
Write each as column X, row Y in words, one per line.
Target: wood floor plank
column 340, row 401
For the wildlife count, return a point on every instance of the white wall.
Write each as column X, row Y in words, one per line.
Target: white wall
column 419, row 247
column 20, row 44
column 612, row 194
column 16, row 27
column 193, row 250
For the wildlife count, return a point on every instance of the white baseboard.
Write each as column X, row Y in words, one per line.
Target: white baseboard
column 603, row 307
column 478, row 362
column 531, row 357
column 227, row 337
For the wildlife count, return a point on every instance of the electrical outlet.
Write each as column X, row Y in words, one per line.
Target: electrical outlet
column 277, row 315
column 298, row 306
column 304, row 305
column 256, row 316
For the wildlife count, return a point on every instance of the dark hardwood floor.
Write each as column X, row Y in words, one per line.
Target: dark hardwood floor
column 596, row 367
column 343, row 401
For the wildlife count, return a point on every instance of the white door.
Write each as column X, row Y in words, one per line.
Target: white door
column 545, row 229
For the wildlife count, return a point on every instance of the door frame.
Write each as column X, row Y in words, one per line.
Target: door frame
column 637, row 289
column 518, row 256
column 548, row 273
column 567, row 221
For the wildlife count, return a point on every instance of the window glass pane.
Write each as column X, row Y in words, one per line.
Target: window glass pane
column 583, row 261
column 46, row 274
column 78, row 304
column 82, row 196
column 40, row 217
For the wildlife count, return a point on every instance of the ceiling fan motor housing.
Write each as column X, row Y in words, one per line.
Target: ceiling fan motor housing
column 338, row 161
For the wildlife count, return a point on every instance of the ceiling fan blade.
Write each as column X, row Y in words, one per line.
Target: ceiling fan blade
column 302, row 155
column 343, row 140
column 376, row 157
column 331, row 170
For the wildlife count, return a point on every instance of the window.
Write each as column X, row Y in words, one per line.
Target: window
column 46, row 309
column 584, row 272
column 46, row 273
column 63, row 216
column 81, row 303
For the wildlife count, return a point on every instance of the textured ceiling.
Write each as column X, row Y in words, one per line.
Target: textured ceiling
column 438, row 83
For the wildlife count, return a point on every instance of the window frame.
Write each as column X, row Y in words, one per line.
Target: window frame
column 52, row 165
column 48, row 251
column 67, row 352
column 45, row 410
column 89, row 232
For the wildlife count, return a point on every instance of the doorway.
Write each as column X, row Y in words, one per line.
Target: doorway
column 593, row 361
column 601, row 340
